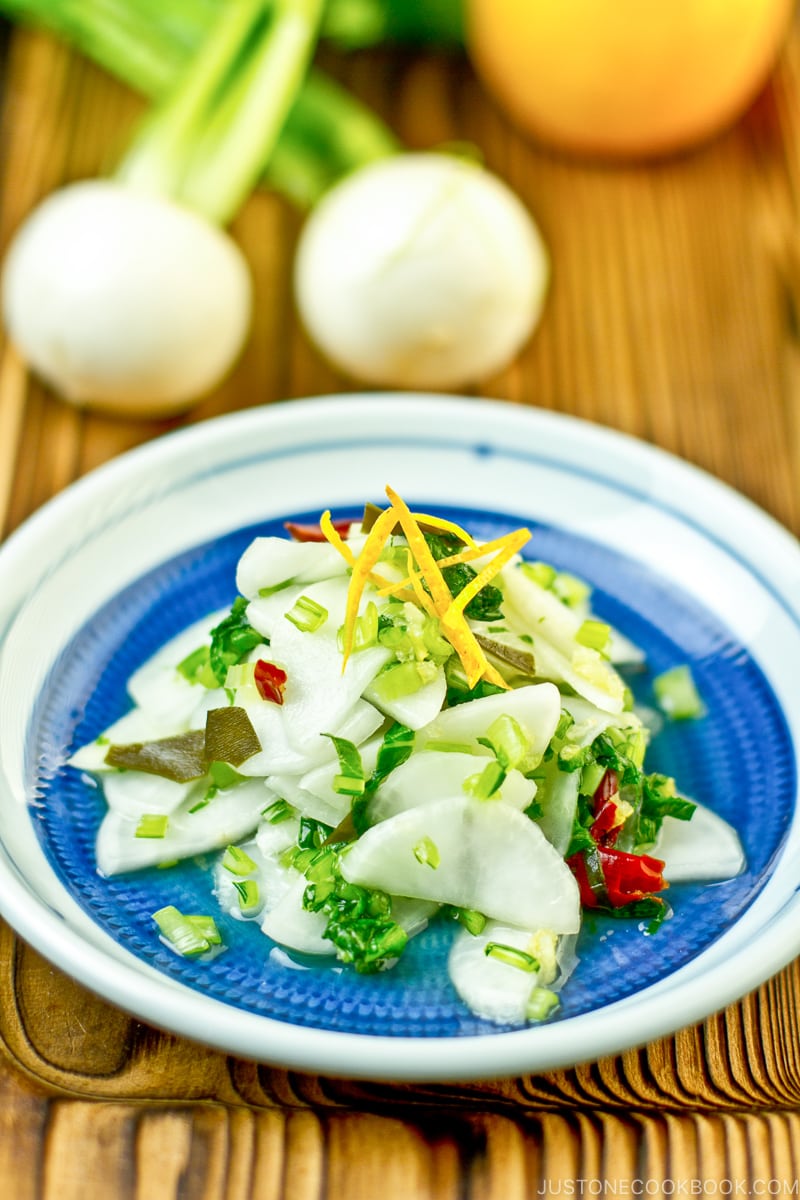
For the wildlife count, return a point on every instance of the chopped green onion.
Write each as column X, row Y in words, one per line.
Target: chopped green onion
column 512, row 956
column 204, row 803
column 508, row 741
column 591, row 778
column 152, row 825
column 540, row 573
column 594, row 634
column 241, row 675
column 348, row 785
column 276, row 587
column 570, row 590
column 237, row 861
column 426, row 852
column 485, row 785
column 541, row 1003
column 278, row 811
column 351, row 781
column 449, row 747
column 365, row 630
column 249, row 897
column 188, row 935
column 403, row 679
column 677, row 694
column 224, row 776
column 473, row 921
column 306, row 615
column 206, row 927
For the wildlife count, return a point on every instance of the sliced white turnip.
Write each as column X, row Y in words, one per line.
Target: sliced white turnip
column 415, row 710
column 431, row 775
column 702, row 849
column 497, row 988
column 269, row 562
column 489, row 857
column 536, row 708
column 232, row 815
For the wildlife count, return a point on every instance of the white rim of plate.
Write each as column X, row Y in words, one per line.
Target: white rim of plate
column 751, row 543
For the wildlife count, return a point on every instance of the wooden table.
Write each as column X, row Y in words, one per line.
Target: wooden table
column 674, row 315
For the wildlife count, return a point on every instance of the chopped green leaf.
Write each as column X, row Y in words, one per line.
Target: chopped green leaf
column 232, row 640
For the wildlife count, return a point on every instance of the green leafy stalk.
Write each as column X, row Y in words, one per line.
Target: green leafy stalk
column 148, row 45
column 204, row 146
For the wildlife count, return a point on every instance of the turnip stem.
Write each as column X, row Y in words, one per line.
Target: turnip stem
column 247, row 123
column 147, row 45
column 205, row 145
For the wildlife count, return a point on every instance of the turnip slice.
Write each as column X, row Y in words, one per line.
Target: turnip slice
column 306, row 803
column 536, row 708
column 319, row 694
column 553, row 626
column 279, row 757
column 133, row 793
column 416, row 710
column 433, row 774
column 294, row 927
column 490, row 858
column 232, row 815
column 496, row 990
column 271, row 561
column 702, row 849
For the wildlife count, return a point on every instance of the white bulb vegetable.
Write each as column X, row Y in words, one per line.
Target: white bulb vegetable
column 124, row 300
column 420, row 270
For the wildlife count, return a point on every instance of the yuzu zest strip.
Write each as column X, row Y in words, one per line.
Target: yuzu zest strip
column 362, row 569
column 454, row 625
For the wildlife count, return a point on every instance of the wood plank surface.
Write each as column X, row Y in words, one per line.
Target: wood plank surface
column 674, row 315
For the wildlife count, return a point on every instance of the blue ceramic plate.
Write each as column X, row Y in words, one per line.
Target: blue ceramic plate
column 132, row 555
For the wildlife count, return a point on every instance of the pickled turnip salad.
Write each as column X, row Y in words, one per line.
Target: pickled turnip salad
column 395, row 725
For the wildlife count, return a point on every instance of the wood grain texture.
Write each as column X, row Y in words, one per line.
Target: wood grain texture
column 674, row 315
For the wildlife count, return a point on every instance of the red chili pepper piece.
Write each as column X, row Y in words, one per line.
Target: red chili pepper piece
column 588, row 896
column 605, row 827
column 270, row 681
column 627, row 877
column 313, row 533
column 630, row 876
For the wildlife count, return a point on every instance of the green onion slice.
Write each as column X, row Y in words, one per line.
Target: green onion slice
column 541, row 1003
column 677, row 694
column 188, row 935
column 152, row 825
column 306, row 615
column 594, row 634
column 249, row 897
column 426, row 852
column 512, row 956
column 238, row 861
